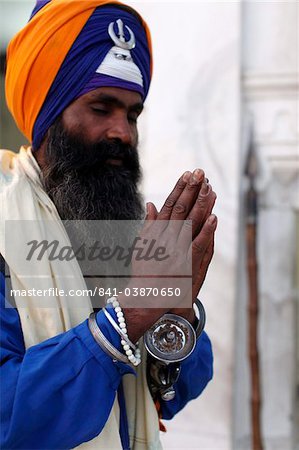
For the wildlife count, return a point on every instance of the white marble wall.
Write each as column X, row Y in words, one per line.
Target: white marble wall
column 192, row 119
column 270, row 88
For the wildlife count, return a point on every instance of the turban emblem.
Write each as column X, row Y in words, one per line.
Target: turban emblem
column 118, row 61
column 121, row 42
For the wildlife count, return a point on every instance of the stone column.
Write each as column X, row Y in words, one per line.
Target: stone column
column 270, row 94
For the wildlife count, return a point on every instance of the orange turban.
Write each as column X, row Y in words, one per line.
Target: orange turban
column 36, row 54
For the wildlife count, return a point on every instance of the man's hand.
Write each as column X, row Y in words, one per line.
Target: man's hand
column 191, row 203
column 201, row 193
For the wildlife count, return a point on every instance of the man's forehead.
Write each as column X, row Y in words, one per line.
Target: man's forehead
column 118, row 96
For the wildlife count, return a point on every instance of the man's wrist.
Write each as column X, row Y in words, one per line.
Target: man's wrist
column 196, row 316
column 187, row 313
column 139, row 319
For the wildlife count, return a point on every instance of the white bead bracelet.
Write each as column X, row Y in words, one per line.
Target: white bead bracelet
column 127, row 345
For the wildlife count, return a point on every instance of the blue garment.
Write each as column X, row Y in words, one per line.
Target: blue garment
column 59, row 393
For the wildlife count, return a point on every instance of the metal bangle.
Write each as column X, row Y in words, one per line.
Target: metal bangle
column 118, row 329
column 201, row 317
column 103, row 342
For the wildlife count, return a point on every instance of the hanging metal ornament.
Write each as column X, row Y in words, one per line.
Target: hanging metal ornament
column 161, row 377
column 171, row 339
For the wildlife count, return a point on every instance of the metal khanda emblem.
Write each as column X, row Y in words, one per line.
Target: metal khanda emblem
column 121, row 41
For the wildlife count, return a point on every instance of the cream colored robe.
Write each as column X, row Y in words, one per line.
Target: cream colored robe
column 23, row 198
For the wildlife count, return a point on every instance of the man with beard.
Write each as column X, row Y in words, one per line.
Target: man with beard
column 89, row 181
column 77, row 77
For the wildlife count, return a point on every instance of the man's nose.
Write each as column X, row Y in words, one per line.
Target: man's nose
column 120, row 130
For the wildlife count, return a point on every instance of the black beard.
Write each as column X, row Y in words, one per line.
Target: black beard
column 83, row 186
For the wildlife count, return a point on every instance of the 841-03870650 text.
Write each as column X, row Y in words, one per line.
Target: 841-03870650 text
column 114, row 292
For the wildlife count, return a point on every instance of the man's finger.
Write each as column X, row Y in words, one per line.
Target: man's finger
column 171, row 200
column 207, row 256
column 202, row 240
column 202, row 208
column 186, row 200
column 151, row 211
column 166, row 209
column 201, row 273
column 179, row 209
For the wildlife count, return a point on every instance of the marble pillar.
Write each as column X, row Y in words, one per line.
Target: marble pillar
column 270, row 94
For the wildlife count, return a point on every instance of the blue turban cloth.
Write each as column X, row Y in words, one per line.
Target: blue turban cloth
column 77, row 75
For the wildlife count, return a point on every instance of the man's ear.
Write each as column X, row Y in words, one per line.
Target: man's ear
column 40, row 153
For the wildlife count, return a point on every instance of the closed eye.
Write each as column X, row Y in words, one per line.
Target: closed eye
column 100, row 111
